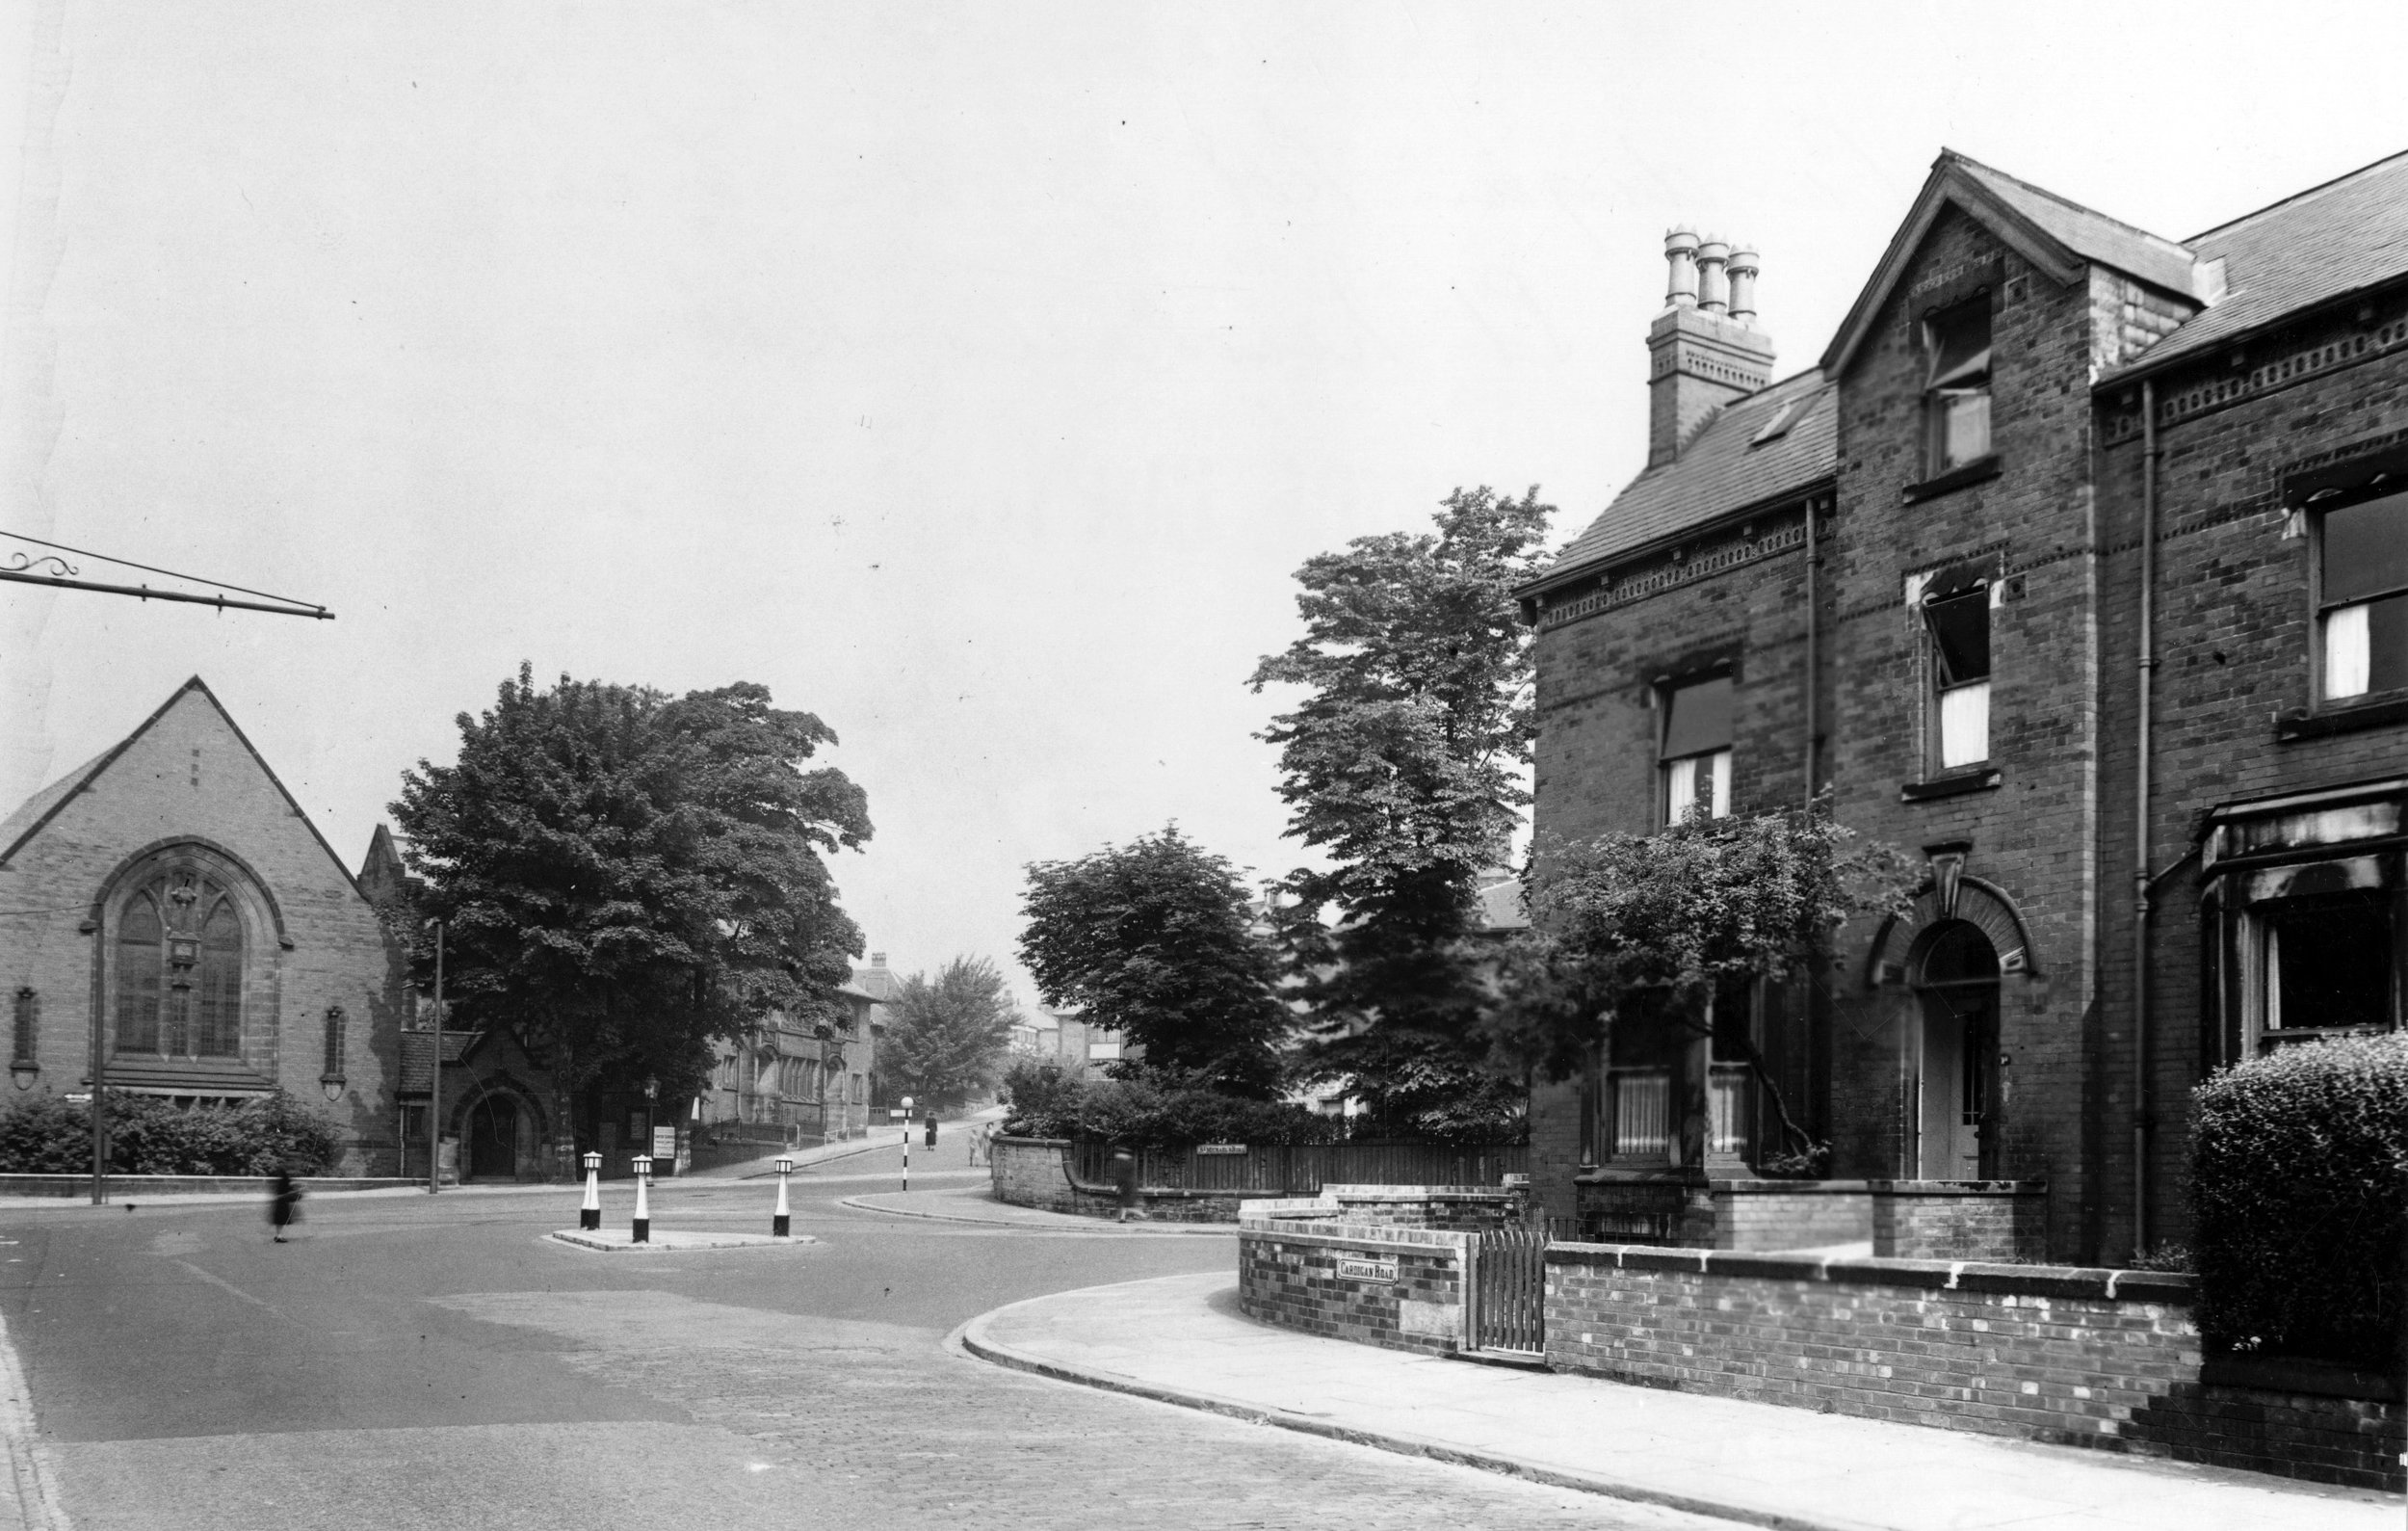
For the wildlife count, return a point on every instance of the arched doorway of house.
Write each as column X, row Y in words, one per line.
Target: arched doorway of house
column 1955, row 975
column 493, row 1139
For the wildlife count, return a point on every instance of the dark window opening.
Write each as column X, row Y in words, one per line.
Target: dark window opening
column 2363, row 606
column 1959, row 626
column 2328, row 961
column 1957, row 391
column 1695, row 754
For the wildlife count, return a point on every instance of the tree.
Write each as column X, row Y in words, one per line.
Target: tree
column 1627, row 925
column 627, row 877
column 946, row 1038
column 1403, row 764
column 1155, row 941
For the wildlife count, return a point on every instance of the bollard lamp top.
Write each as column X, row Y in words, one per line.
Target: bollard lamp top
column 785, row 1166
column 644, row 1164
column 593, row 1163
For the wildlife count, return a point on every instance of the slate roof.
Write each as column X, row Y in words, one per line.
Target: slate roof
column 418, row 1048
column 2092, row 235
column 1721, row 470
column 2327, row 241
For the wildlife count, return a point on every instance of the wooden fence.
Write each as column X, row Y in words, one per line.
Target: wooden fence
column 1303, row 1169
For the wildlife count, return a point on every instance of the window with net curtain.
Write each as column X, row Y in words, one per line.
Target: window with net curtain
column 179, row 969
column 1957, row 388
column 2362, row 597
column 1958, row 624
column 1695, row 754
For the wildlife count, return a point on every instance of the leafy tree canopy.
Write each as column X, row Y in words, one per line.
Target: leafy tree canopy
column 1155, row 941
column 946, row 1037
column 1627, row 923
column 628, row 875
column 1403, row 764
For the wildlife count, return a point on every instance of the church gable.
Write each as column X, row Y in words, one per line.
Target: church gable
column 186, row 772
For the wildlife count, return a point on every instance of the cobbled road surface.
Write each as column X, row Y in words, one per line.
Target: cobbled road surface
column 415, row 1361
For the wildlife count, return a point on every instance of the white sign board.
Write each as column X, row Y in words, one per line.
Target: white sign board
column 665, row 1144
column 1220, row 1147
column 1351, row 1270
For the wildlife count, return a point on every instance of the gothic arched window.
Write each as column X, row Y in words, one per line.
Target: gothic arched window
column 179, row 960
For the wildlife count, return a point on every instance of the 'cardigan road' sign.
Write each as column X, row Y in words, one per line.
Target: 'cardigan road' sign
column 1220, row 1147
column 1367, row 1271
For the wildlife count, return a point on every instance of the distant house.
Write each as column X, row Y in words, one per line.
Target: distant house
column 1062, row 1035
column 169, row 910
column 789, row 1082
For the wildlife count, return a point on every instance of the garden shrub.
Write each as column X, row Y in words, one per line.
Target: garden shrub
column 2299, row 1197
column 148, row 1135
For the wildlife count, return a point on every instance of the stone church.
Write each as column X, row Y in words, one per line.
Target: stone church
column 169, row 908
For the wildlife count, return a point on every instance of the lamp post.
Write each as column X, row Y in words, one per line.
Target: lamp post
column 589, row 1216
column 643, row 1203
column 435, row 1076
column 906, row 1105
column 781, row 1224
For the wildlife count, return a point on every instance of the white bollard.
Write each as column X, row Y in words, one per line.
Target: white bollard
column 781, row 1226
column 643, row 1202
column 589, row 1216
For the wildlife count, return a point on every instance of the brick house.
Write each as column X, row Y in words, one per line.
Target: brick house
column 2106, row 618
column 172, row 894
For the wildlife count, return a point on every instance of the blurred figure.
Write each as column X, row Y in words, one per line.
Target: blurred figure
column 283, row 1202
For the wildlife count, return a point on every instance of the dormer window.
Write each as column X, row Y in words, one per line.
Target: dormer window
column 1956, row 397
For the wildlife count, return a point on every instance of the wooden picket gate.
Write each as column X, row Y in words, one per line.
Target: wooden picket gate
column 1509, row 1290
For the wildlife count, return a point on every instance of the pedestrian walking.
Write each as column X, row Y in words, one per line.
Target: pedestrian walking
column 1125, row 1180
column 283, row 1202
column 931, row 1137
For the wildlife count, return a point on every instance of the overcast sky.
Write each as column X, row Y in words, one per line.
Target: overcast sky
column 973, row 376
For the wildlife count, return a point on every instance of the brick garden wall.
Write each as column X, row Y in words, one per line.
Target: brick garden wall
column 2084, row 1357
column 1035, row 1172
column 1289, row 1274
column 1971, row 1221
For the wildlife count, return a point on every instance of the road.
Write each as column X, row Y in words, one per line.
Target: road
column 415, row 1361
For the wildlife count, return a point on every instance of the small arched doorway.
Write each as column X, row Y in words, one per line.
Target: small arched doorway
column 1954, row 971
column 493, row 1139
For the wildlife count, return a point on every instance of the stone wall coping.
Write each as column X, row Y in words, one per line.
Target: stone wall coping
column 1418, row 1193
column 1037, row 1142
column 1957, row 1276
column 1357, row 1236
column 1932, row 1188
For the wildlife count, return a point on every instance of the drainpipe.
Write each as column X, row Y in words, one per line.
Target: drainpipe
column 2140, row 814
column 1810, row 651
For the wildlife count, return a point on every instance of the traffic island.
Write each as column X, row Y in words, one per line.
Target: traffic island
column 670, row 1241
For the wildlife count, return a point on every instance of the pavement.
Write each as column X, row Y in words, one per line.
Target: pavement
column 1181, row 1340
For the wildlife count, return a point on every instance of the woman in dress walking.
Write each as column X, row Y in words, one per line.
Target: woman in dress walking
column 283, row 1202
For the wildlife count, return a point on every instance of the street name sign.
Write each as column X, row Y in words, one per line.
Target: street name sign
column 1367, row 1271
column 1220, row 1147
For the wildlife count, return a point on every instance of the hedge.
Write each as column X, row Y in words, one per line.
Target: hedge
column 2299, row 1195
column 1043, row 1103
column 148, row 1135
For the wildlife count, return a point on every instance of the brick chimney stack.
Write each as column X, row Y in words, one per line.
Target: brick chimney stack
column 1703, row 349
